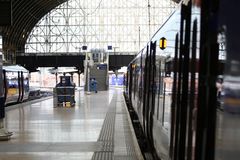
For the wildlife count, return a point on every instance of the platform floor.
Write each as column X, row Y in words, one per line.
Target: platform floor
column 97, row 128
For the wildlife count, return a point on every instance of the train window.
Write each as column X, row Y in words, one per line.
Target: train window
column 167, row 97
column 134, row 81
column 158, row 77
column 138, row 78
column 26, row 84
column 138, row 82
column 165, row 94
column 160, row 93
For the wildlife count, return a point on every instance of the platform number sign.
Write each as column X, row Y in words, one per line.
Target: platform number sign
column 163, row 43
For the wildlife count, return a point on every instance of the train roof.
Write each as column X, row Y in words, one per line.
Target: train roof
column 14, row 68
column 169, row 24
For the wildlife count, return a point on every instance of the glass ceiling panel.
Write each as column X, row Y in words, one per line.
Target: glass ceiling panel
column 122, row 24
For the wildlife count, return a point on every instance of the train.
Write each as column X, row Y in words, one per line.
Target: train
column 171, row 84
column 15, row 84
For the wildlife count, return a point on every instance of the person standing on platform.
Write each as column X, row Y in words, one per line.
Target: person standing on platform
column 94, row 85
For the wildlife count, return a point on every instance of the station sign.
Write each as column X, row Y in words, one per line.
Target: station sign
column 109, row 48
column 84, row 48
column 102, row 66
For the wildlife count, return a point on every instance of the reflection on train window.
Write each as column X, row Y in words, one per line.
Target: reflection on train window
column 161, row 98
column 138, row 82
column 136, row 89
column 168, row 82
column 26, row 84
column 134, row 82
column 12, row 87
column 157, row 88
column 160, row 92
column 12, row 83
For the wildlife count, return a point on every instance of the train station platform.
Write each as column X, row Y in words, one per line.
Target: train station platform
column 97, row 128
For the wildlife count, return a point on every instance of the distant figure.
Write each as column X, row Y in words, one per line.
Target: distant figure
column 219, row 87
column 94, row 85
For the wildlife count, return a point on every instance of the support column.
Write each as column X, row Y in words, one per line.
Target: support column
column 56, row 78
column 79, row 73
column 4, row 134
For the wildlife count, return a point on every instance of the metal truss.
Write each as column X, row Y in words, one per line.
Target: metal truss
column 124, row 24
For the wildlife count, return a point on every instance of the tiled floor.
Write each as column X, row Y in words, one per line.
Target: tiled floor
column 41, row 131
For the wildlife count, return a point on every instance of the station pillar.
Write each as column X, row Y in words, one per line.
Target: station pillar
column 4, row 134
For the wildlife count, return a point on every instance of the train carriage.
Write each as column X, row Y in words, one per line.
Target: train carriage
column 16, row 83
column 167, row 86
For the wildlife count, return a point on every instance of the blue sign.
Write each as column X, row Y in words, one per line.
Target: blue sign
column 109, row 47
column 102, row 66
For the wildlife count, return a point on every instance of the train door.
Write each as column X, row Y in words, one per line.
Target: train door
column 207, row 92
column 194, row 106
column 152, row 89
column 149, row 92
column 22, row 86
column 5, row 89
column 191, row 81
column 175, row 96
column 127, row 81
column 25, row 85
column 145, row 90
column 11, row 86
column 130, row 76
column 180, row 99
column 19, row 87
column 141, row 80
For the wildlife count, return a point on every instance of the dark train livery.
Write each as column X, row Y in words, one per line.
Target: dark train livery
column 15, row 84
column 173, row 90
column 150, row 80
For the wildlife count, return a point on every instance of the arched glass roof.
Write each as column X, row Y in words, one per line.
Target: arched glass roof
column 124, row 24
